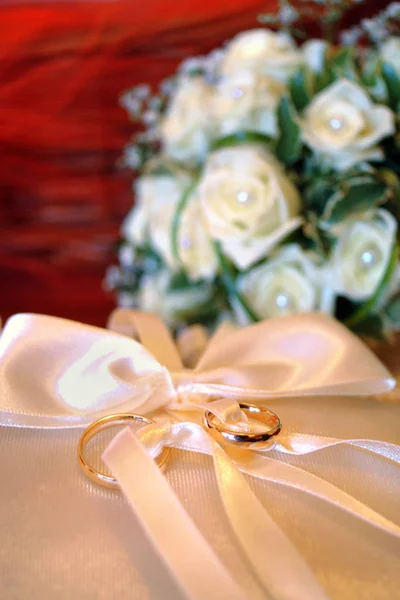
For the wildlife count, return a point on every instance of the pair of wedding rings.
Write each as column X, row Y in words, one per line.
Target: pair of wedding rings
column 220, row 431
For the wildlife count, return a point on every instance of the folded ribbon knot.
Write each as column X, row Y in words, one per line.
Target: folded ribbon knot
column 56, row 373
column 81, row 372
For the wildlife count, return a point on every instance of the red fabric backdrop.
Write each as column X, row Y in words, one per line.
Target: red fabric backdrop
column 62, row 68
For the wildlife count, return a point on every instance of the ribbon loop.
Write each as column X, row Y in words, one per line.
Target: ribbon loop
column 81, row 372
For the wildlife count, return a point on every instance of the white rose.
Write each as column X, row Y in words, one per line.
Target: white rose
column 344, row 125
column 264, row 52
column 390, row 53
column 195, row 248
column 157, row 198
column 314, row 52
column 362, row 253
column 186, row 128
column 246, row 101
column 248, row 202
column 171, row 305
column 288, row 283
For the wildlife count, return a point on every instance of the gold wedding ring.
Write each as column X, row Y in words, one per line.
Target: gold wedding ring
column 255, row 440
column 101, row 425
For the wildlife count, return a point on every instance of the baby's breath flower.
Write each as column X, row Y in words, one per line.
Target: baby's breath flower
column 131, row 157
column 131, row 103
column 142, row 91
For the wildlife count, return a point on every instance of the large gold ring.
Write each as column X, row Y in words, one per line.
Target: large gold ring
column 257, row 440
column 100, row 425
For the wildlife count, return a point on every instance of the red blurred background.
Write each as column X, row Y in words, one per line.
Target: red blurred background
column 63, row 66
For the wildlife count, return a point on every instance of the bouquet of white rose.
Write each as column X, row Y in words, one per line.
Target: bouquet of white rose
column 269, row 183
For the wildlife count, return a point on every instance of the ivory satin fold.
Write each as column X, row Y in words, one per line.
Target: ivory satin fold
column 316, row 517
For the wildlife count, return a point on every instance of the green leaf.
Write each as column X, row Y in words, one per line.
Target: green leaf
column 374, row 327
column 393, row 182
column 356, row 196
column 368, row 307
column 179, row 281
column 318, row 193
column 321, row 240
column 241, row 137
column 392, row 82
column 371, row 77
column 147, row 259
column 158, row 169
column 392, row 310
column 341, row 64
column 341, row 58
column 324, row 78
column 206, row 313
column 176, row 221
column 229, row 280
column 289, row 144
column 161, row 165
column 301, row 89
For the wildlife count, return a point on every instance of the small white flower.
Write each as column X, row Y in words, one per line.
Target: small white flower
column 393, row 10
column 126, row 255
column 361, row 254
column 249, row 204
column 167, row 86
column 288, row 15
column 375, row 28
column 127, row 300
column 212, row 64
column 345, row 126
column 186, row 128
column 288, row 283
column 314, row 54
column 113, row 278
column 351, row 37
column 131, row 157
column 390, row 53
column 131, row 103
column 190, row 64
column 150, row 117
column 142, row 91
column 264, row 52
column 155, row 296
column 246, row 101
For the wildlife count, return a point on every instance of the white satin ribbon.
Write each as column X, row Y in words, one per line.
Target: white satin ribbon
column 57, row 373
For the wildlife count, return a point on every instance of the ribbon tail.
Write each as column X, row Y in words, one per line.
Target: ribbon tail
column 268, row 552
column 31, row 421
column 272, row 470
column 389, row 451
column 300, row 443
column 181, row 548
column 271, row 554
column 260, row 466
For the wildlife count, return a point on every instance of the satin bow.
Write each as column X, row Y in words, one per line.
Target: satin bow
column 57, row 373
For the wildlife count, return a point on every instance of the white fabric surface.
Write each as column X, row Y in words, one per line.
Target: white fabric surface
column 64, row 537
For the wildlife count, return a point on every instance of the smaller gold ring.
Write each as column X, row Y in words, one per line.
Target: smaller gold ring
column 255, row 441
column 97, row 427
